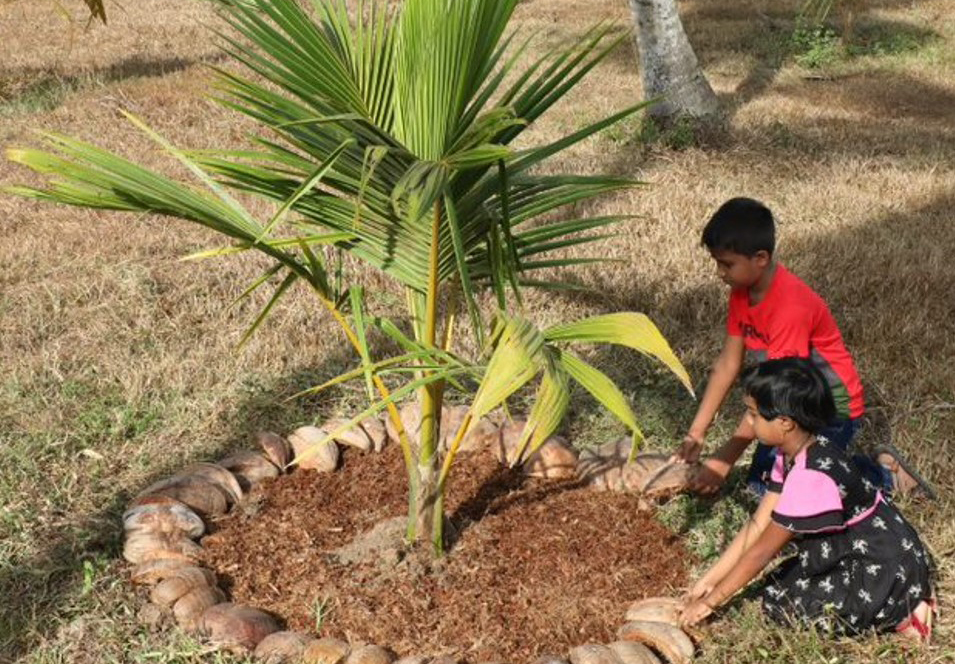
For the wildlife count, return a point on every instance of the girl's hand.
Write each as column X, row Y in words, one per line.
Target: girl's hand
column 694, row 613
column 699, row 590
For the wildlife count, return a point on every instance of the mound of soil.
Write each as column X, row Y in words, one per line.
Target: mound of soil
column 534, row 566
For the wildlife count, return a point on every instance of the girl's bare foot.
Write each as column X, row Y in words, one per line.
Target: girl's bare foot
column 918, row 626
column 903, row 482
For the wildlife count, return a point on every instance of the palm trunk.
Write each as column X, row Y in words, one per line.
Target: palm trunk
column 428, row 524
column 668, row 65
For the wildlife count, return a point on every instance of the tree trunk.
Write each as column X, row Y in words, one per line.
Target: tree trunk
column 668, row 64
column 427, row 499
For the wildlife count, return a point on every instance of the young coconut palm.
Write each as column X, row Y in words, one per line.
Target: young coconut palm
column 387, row 136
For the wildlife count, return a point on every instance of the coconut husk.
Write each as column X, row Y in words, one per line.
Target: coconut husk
column 353, row 437
column 592, row 653
column 237, row 627
column 282, row 647
column 171, row 518
column 218, row 475
column 326, row 651
column 152, row 572
column 669, row 641
column 204, row 497
column 370, row 654
column 669, row 480
column 376, row 431
column 631, row 652
column 656, row 609
column 189, row 608
column 310, row 450
column 555, row 459
column 249, row 468
column 141, row 547
column 183, row 581
column 276, row 449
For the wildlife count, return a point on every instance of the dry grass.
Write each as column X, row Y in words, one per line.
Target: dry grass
column 119, row 364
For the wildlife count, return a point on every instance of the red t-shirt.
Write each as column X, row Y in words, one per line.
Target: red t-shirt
column 793, row 321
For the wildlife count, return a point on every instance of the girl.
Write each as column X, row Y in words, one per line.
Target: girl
column 860, row 565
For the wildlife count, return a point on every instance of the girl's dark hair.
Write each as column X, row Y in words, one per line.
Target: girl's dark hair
column 791, row 387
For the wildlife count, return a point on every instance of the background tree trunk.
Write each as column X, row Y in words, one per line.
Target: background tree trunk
column 668, row 65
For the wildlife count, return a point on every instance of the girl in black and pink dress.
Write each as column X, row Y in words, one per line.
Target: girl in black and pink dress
column 859, row 564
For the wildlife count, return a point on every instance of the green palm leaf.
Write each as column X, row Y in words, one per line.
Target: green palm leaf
column 629, row 329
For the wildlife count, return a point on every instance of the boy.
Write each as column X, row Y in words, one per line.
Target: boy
column 772, row 314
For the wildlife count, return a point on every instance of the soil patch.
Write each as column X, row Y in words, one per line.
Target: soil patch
column 535, row 566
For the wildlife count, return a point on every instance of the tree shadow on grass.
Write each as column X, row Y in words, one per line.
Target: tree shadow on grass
column 47, row 88
column 722, row 33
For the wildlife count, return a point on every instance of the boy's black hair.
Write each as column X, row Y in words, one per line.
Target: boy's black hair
column 791, row 387
column 741, row 225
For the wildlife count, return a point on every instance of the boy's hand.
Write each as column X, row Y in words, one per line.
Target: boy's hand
column 695, row 613
column 709, row 477
column 689, row 450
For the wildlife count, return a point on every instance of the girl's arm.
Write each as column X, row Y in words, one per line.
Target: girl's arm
column 752, row 562
column 745, row 538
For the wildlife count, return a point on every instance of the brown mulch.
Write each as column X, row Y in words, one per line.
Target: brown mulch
column 535, row 566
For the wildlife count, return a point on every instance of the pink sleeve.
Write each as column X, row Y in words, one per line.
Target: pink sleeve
column 733, row 315
column 809, row 502
column 776, row 475
column 791, row 332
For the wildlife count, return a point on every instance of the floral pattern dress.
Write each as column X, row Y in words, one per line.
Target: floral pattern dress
column 859, row 564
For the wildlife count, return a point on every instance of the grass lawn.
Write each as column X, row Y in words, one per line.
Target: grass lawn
column 119, row 363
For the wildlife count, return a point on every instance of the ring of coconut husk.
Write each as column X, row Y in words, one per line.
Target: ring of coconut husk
column 161, row 520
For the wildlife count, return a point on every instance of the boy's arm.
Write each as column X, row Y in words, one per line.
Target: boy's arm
column 745, row 538
column 714, row 469
column 724, row 372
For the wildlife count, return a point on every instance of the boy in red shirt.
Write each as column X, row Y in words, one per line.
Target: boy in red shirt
column 772, row 314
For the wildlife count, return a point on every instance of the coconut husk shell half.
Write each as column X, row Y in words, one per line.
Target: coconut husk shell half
column 370, row 654
column 190, row 608
column 275, row 448
column 249, row 468
column 310, row 450
column 282, row 647
column 183, row 581
column 592, row 653
column 237, row 627
column 669, row 641
column 326, row 651
column 656, row 609
column 631, row 652
column 171, row 518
